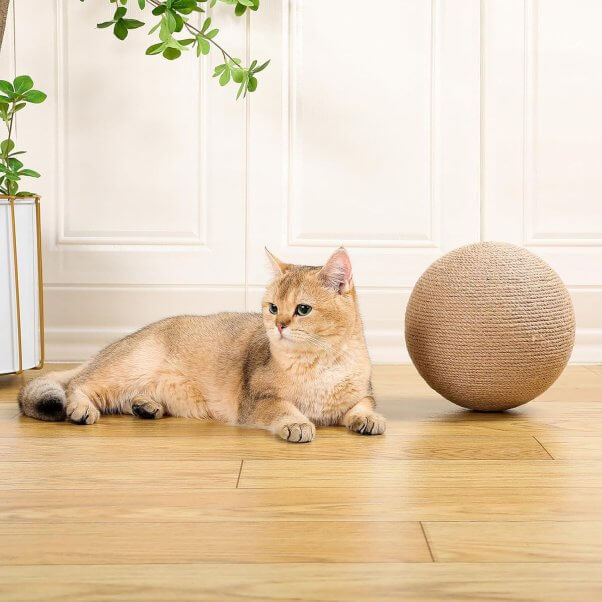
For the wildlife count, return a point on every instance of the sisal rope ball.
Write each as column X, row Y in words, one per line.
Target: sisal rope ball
column 490, row 326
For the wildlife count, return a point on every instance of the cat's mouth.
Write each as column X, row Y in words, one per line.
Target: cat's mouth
column 285, row 336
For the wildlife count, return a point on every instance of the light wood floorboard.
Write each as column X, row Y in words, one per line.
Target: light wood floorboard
column 240, row 542
column 409, row 503
column 260, row 474
column 558, row 541
column 572, row 447
column 434, row 582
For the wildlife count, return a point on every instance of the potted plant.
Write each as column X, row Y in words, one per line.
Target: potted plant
column 21, row 301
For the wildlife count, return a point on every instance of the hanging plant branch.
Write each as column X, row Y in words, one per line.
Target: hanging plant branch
column 14, row 97
column 174, row 18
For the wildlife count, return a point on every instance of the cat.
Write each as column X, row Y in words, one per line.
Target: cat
column 302, row 362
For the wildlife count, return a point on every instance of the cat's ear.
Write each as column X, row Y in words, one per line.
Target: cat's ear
column 278, row 267
column 336, row 274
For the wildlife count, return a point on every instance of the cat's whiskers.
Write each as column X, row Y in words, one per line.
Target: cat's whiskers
column 326, row 346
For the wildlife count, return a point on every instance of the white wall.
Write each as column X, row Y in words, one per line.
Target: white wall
column 451, row 121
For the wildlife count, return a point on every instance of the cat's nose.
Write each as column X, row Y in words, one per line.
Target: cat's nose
column 281, row 326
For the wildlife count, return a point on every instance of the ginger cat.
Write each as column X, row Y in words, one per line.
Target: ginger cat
column 301, row 362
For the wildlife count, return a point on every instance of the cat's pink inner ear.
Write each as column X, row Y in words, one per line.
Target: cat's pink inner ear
column 337, row 274
column 278, row 267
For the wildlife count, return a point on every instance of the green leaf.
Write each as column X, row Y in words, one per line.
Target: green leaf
column 120, row 30
column 203, row 46
column 261, row 67
column 23, row 83
column 218, row 69
column 119, row 13
column 14, row 164
column 29, row 172
column 211, row 34
column 252, row 84
column 19, row 106
column 104, row 25
column 184, row 6
column 159, row 10
column 171, row 53
column 142, row 4
column 240, row 10
column 132, row 23
column 35, row 96
column 171, row 21
column 240, row 89
column 164, row 32
column 6, row 146
column 206, row 25
column 238, row 75
column 7, row 88
column 248, row 3
column 224, row 77
column 156, row 48
column 179, row 22
column 24, row 193
column 4, row 100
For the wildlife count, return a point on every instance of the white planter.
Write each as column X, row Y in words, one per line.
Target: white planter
column 21, row 308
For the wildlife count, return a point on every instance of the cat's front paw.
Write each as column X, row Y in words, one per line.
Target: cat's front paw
column 298, row 432
column 368, row 424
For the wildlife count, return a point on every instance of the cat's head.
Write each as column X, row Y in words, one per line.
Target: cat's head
column 310, row 308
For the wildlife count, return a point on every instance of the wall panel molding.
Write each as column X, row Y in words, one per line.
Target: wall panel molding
column 567, row 54
column 292, row 169
column 66, row 235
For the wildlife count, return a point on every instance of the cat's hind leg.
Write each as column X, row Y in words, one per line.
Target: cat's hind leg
column 80, row 408
column 146, row 407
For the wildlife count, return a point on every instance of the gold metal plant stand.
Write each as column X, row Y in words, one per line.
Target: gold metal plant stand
column 11, row 201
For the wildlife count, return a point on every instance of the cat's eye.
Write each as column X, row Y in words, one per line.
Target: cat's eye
column 302, row 309
column 273, row 308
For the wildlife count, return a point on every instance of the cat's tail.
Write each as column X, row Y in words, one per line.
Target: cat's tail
column 44, row 397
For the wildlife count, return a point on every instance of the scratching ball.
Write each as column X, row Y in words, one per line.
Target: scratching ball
column 490, row 326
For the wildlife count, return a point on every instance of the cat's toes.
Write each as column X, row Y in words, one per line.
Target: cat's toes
column 371, row 424
column 82, row 413
column 298, row 432
column 147, row 409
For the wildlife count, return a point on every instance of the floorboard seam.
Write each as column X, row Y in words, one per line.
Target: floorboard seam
column 543, row 447
column 239, row 473
column 428, row 543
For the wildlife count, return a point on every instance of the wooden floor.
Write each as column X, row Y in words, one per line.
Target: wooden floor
column 448, row 505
